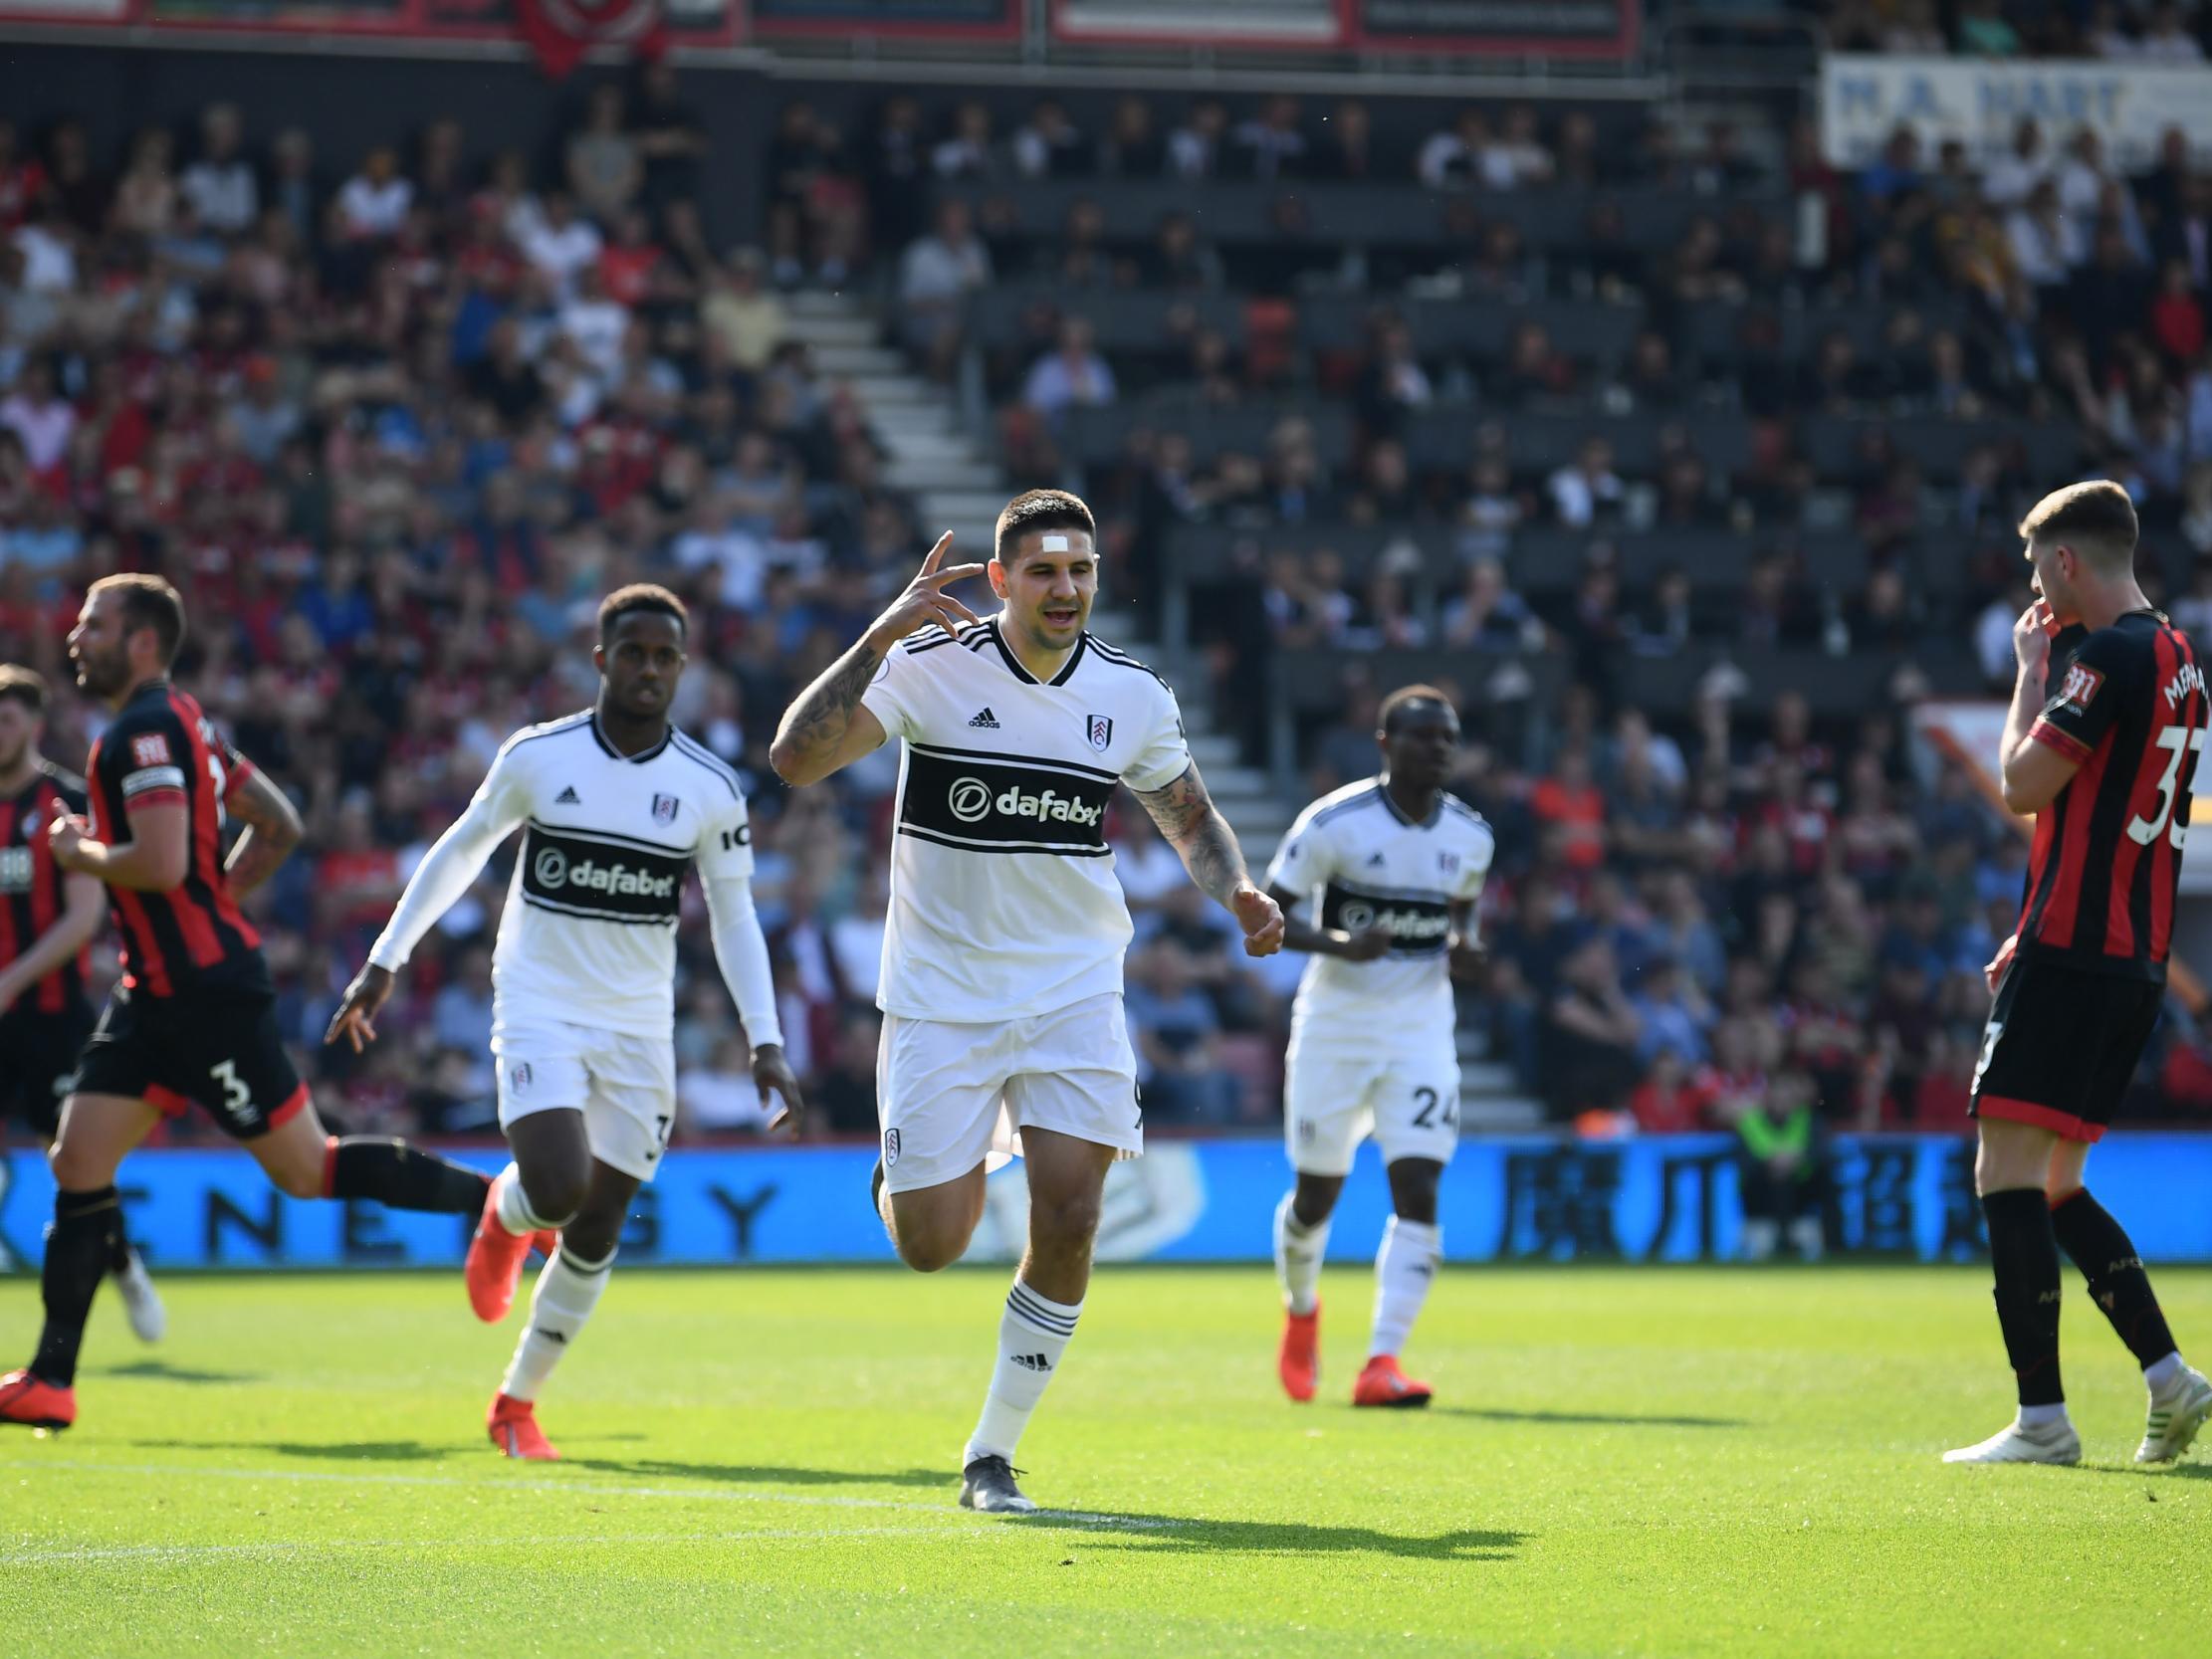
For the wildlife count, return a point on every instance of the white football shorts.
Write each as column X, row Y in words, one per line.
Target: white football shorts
column 1336, row 1093
column 951, row 1094
column 624, row 1085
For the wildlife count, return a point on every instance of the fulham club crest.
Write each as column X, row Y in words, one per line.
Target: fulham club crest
column 1100, row 730
column 664, row 810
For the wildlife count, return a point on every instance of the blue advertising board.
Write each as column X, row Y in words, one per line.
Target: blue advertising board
column 1669, row 1198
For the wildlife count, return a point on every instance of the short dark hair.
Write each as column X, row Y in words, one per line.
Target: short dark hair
column 2094, row 518
column 23, row 685
column 1406, row 696
column 1041, row 509
column 640, row 597
column 148, row 602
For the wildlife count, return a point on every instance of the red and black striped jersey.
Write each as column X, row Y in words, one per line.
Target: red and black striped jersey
column 161, row 748
column 32, row 884
column 2130, row 708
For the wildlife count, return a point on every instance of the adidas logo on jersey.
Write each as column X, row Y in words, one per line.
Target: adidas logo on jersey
column 985, row 720
column 568, row 797
column 1032, row 1361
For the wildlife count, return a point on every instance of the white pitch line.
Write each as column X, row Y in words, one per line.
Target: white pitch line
column 197, row 1552
column 715, row 1495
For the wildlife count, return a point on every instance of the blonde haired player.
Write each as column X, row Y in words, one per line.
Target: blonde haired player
column 1001, row 986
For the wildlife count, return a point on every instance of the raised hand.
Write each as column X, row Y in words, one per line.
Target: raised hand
column 2032, row 635
column 925, row 600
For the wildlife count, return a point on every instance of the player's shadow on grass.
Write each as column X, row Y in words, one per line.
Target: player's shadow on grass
column 1585, row 1418
column 338, row 1451
column 760, row 1473
column 159, row 1370
column 1191, row 1536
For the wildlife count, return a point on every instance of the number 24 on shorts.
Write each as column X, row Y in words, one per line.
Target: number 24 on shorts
column 1428, row 1100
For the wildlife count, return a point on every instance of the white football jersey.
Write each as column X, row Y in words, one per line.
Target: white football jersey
column 589, row 934
column 1003, row 899
column 1362, row 863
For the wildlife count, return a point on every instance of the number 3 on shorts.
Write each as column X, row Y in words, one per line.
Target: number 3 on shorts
column 235, row 1091
column 1990, row 1033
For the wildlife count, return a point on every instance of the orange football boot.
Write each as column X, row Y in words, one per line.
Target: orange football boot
column 1298, row 1361
column 513, row 1426
column 1383, row 1383
column 35, row 1404
column 495, row 1257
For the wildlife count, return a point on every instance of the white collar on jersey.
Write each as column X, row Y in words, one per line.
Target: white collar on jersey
column 1014, row 663
column 668, row 736
column 1390, row 805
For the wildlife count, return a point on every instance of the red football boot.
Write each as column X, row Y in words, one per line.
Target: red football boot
column 1383, row 1383
column 35, row 1404
column 495, row 1257
column 1298, row 1361
column 513, row 1425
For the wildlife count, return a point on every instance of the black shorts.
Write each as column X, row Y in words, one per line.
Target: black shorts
column 214, row 1047
column 38, row 1057
column 2061, row 1047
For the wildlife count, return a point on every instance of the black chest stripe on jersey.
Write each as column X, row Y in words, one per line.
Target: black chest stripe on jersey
column 601, row 877
column 612, row 838
column 995, row 804
column 1003, row 758
column 1420, row 924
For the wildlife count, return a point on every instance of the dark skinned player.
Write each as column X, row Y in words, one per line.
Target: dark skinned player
column 1379, row 880
column 615, row 806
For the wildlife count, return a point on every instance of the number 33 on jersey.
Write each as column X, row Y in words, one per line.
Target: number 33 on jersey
column 2130, row 712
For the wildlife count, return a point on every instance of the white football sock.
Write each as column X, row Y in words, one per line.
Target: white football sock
column 567, row 1290
column 1298, row 1253
column 1404, row 1268
column 2042, row 1416
column 513, row 1211
column 2162, row 1374
column 1033, row 1333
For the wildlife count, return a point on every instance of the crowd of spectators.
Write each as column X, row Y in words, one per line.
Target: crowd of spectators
column 393, row 422
column 1741, row 920
column 393, row 427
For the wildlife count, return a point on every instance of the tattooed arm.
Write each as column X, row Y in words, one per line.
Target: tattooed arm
column 1208, row 846
column 827, row 728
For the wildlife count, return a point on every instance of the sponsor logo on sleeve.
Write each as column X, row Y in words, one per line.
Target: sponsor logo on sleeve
column 151, row 748
column 2083, row 683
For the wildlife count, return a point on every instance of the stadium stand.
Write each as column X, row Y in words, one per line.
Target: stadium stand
column 1688, row 461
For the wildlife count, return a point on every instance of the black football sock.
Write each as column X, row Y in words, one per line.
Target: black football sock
column 403, row 1176
column 2024, row 1253
column 2101, row 1249
column 120, row 1262
column 79, row 1246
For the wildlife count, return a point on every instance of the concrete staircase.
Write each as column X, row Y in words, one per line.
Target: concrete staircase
column 960, row 489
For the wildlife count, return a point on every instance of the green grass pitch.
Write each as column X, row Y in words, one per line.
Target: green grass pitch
column 1648, row 1461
